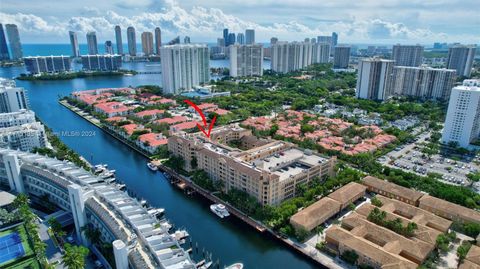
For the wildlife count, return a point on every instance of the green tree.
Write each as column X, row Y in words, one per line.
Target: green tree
column 74, row 257
column 56, row 227
column 462, row 250
column 350, row 256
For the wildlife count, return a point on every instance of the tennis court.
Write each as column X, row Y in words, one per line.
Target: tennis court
column 10, row 247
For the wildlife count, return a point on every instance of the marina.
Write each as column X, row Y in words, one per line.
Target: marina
column 231, row 242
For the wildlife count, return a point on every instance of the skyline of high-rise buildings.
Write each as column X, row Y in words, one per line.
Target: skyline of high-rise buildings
column 460, row 58
column 74, row 43
column 184, row 66
column 246, row 60
column 13, row 35
column 109, row 47
column 158, row 40
column 131, row 41
column 118, row 39
column 374, row 78
column 147, row 43
column 92, row 43
column 407, row 55
column 4, row 54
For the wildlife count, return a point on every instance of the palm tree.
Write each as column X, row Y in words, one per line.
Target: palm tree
column 74, row 257
column 92, row 234
column 20, row 200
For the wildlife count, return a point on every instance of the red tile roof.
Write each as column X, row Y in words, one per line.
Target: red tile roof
column 151, row 112
column 170, row 121
column 153, row 139
column 112, row 107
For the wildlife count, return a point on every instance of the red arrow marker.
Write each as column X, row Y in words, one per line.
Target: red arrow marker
column 202, row 128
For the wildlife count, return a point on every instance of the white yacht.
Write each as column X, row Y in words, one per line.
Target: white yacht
column 237, row 265
column 152, row 166
column 220, row 210
column 99, row 168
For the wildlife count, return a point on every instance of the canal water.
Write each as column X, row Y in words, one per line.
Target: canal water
column 228, row 240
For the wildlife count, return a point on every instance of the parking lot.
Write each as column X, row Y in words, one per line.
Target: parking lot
column 410, row 158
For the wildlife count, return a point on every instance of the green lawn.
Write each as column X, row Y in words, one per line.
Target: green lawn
column 28, row 260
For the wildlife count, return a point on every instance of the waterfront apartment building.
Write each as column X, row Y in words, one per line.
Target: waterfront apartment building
column 326, row 39
column 240, row 38
column 118, row 39
column 47, row 64
column 158, row 40
column 231, row 39
column 246, row 60
column 17, row 118
column 147, row 43
column 92, row 43
column 184, row 66
column 225, row 36
column 320, row 52
column 101, row 62
column 290, row 56
column 460, row 58
column 74, row 44
column 374, row 78
column 423, row 82
column 23, row 137
column 462, row 124
column 131, row 41
column 407, row 55
column 268, row 170
column 341, row 57
column 139, row 239
column 4, row 55
column 108, row 47
column 14, row 41
column 249, row 36
column 12, row 99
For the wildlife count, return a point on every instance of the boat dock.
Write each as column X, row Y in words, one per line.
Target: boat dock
column 184, row 183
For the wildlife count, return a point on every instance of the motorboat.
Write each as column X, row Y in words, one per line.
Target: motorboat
column 100, row 168
column 237, row 265
column 156, row 212
column 180, row 234
column 152, row 166
column 220, row 210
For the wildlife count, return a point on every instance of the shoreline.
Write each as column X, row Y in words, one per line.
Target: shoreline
column 323, row 260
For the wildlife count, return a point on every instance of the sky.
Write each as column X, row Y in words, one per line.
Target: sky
column 356, row 22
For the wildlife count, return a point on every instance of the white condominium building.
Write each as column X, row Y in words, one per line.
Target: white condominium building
column 423, row 82
column 24, row 137
column 374, row 76
column 12, row 99
column 47, row 64
column 246, row 60
column 460, row 58
column 462, row 124
column 184, row 66
column 320, row 52
column 287, row 57
column 407, row 55
column 16, row 118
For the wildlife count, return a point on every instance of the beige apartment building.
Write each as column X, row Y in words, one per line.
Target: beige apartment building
column 269, row 170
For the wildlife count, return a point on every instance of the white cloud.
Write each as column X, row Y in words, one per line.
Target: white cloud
column 205, row 24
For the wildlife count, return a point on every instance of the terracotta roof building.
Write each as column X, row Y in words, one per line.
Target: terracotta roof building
column 472, row 260
column 449, row 210
column 348, row 194
column 392, row 190
column 315, row 214
column 369, row 253
column 414, row 214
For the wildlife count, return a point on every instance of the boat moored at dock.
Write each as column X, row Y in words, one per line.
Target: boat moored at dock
column 220, row 210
